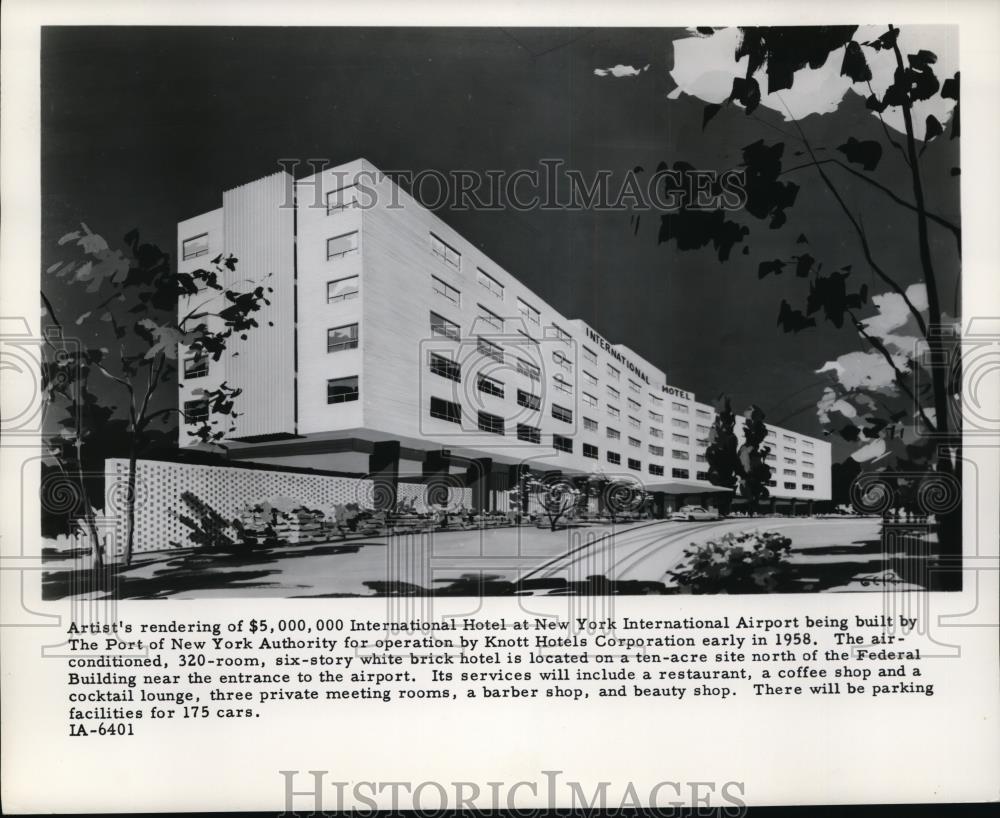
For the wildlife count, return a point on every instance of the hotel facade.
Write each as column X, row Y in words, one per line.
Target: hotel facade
column 397, row 349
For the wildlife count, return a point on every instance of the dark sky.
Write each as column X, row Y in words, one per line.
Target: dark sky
column 142, row 127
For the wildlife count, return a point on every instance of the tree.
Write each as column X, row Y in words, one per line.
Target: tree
column 556, row 494
column 616, row 494
column 754, row 473
column 139, row 312
column 722, row 454
column 909, row 407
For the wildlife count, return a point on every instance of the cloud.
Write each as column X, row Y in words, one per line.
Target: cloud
column 704, row 67
column 620, row 71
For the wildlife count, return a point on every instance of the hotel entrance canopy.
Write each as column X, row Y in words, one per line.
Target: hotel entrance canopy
column 675, row 486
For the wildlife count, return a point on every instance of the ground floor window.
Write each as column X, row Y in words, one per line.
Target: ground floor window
column 680, row 474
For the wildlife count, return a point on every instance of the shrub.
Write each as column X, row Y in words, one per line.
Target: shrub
column 748, row 562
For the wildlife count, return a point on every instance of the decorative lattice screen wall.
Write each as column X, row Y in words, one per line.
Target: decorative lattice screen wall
column 167, row 494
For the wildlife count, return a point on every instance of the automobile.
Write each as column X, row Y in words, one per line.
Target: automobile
column 692, row 513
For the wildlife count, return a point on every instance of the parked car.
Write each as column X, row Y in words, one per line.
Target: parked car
column 695, row 513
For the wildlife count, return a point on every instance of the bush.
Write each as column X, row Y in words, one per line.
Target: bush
column 749, row 562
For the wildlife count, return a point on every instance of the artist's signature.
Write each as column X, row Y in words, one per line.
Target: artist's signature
column 889, row 580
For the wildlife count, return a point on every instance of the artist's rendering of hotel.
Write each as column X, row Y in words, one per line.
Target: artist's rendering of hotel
column 400, row 349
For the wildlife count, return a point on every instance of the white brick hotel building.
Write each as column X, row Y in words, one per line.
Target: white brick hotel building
column 399, row 349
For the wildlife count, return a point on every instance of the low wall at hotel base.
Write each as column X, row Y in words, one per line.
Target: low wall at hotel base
column 167, row 494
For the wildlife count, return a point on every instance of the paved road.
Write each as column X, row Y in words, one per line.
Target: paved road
column 472, row 562
column 647, row 553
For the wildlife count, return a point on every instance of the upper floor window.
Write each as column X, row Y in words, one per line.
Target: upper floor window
column 634, row 422
column 529, row 434
column 341, row 338
column 195, row 246
column 614, row 372
column 196, row 411
column 559, row 334
column 563, row 444
column 614, row 458
column 529, row 312
column 444, row 289
column 341, row 289
column 634, row 387
column 656, row 417
column 634, row 441
column 446, row 410
column 590, row 425
column 490, row 317
column 680, row 474
column 528, row 400
column 657, row 470
column 703, row 413
column 560, row 383
column 448, row 254
column 613, row 411
column 614, row 393
column 442, row 326
column 489, row 350
column 196, row 365
column 445, row 367
column 529, row 370
column 490, row 284
column 342, row 245
column 342, row 390
column 490, row 423
column 654, row 432
column 562, row 361
column 634, row 404
column 589, row 379
column 342, row 198
column 562, row 413
column 634, row 464
column 589, row 399
column 589, row 355
column 678, row 422
column 491, row 386
column 679, row 407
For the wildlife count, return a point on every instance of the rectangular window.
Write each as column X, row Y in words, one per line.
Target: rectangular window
column 656, row 470
column 789, row 485
column 808, row 463
column 613, row 393
column 196, row 365
column 614, row 372
column 789, row 449
column 807, row 487
column 490, row 284
column 702, row 430
column 490, row 386
column 634, row 405
column 563, row 444
column 562, row 413
column 808, row 475
column 530, row 313
column 442, row 326
column 590, row 451
column 634, row 387
column 340, row 338
column 703, row 413
column 559, row 334
column 195, row 411
column 788, row 472
column 808, row 444
column 679, row 438
column 679, row 454
column 528, row 400
column 700, row 458
column 790, row 461
column 703, row 475
column 656, row 451
column 490, row 317
column 634, row 422
column 561, row 384
column 614, row 434
column 445, row 289
column 679, row 407
column 590, row 425
column 589, row 355
column 788, row 438
column 680, row 424
column 589, row 379
column 634, row 464
column 342, row 245
column 634, row 442
column 342, row 390
column 446, row 410
column 589, row 399
column 771, row 435
column 680, row 474
column 529, row 370
column 770, row 458
column 613, row 411
column 341, row 199
column 529, row 434
column 562, row 361
column 446, row 367
column 444, row 251
column 656, row 417
column 654, row 432
column 772, row 483
column 490, row 423
column 195, row 246
column 341, row 289
column 527, row 338
column 489, row 350
column 614, row 458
